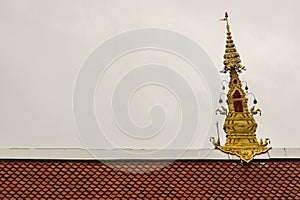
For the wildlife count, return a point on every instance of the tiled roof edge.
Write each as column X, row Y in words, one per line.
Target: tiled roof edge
column 136, row 154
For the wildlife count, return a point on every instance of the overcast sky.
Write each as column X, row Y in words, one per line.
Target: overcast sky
column 44, row 43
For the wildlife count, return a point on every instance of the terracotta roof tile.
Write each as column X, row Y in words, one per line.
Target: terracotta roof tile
column 38, row 179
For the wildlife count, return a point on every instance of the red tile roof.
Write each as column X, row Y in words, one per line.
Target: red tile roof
column 38, row 179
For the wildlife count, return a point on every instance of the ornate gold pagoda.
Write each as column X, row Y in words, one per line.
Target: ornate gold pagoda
column 239, row 126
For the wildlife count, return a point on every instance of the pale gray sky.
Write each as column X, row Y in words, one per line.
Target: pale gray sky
column 43, row 44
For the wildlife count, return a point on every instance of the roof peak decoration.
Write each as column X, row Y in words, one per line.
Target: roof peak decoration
column 231, row 56
column 240, row 125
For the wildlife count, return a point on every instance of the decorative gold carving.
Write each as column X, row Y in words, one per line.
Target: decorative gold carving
column 240, row 126
column 255, row 111
column 224, row 111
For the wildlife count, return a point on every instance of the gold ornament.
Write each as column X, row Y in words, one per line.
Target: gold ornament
column 239, row 126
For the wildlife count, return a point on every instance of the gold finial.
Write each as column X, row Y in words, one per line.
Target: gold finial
column 240, row 125
column 226, row 19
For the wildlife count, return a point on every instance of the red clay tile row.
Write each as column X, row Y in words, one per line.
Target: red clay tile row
column 148, row 179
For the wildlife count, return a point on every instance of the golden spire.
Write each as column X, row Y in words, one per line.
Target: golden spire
column 240, row 126
column 232, row 57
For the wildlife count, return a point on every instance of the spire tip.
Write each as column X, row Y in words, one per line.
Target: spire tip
column 226, row 15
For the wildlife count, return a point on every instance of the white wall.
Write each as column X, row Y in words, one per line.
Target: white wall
column 43, row 44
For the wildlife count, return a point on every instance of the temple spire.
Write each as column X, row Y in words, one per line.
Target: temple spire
column 232, row 59
column 240, row 125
